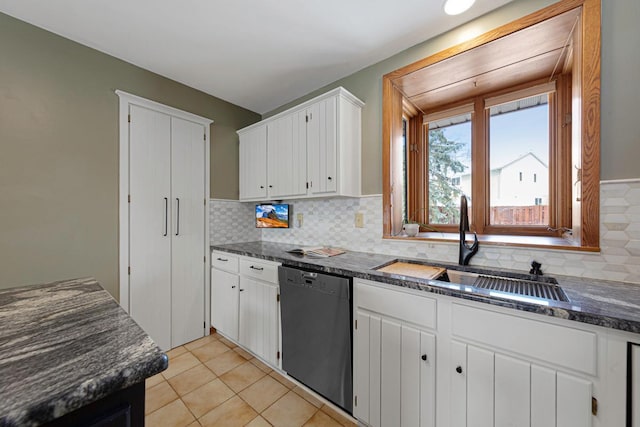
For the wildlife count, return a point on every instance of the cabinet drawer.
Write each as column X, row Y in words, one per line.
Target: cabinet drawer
column 224, row 261
column 563, row 346
column 402, row 305
column 258, row 269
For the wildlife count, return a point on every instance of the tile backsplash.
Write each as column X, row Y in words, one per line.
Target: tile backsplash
column 331, row 222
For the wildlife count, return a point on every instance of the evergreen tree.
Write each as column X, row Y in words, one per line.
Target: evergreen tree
column 444, row 197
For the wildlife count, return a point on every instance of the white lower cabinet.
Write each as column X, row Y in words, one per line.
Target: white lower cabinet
column 494, row 368
column 394, row 366
column 258, row 318
column 245, row 303
column 493, row 389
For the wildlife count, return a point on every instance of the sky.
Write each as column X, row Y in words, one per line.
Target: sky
column 512, row 135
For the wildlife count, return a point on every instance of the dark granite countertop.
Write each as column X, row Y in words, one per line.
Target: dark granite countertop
column 64, row 345
column 604, row 303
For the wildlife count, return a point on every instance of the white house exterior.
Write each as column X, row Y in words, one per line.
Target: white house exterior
column 521, row 182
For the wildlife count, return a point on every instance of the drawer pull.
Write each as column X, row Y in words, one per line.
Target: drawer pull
column 222, row 259
column 233, row 287
column 256, row 268
column 459, row 369
column 424, row 357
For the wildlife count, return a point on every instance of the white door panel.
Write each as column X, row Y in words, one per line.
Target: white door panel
column 187, row 231
column 149, row 223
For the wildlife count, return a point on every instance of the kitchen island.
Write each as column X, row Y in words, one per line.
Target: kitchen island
column 70, row 355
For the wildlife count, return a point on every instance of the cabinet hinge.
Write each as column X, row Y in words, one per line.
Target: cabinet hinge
column 204, row 137
column 356, row 324
column 204, row 325
column 129, row 198
column 129, row 118
column 355, row 401
column 594, row 406
column 278, row 298
column 205, row 258
column 129, row 270
column 306, row 119
column 278, row 355
column 307, row 185
column 205, row 202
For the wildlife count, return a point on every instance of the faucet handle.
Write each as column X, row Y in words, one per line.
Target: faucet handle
column 535, row 268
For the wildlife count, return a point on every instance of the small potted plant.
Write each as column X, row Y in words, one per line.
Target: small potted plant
column 411, row 227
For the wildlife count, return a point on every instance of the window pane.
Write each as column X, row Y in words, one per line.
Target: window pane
column 519, row 162
column 449, row 167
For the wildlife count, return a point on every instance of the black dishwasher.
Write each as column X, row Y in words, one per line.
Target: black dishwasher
column 316, row 332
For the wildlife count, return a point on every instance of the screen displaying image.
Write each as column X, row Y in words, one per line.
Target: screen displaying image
column 272, row 216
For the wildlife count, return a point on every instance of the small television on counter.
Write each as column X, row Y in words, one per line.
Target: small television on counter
column 273, row 215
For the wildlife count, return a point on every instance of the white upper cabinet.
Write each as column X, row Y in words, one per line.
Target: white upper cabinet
column 253, row 163
column 311, row 150
column 286, row 157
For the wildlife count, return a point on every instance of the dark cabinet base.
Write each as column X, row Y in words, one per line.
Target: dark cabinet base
column 122, row 409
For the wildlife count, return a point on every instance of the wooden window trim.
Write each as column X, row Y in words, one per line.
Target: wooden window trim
column 587, row 222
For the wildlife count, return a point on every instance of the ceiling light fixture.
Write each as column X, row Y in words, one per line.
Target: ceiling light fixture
column 456, row 7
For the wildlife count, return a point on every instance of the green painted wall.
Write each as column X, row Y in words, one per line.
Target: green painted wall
column 59, row 153
column 620, row 146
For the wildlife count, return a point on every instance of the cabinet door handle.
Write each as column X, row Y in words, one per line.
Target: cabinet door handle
column 270, row 186
column 177, row 216
column 233, row 287
column 241, row 290
column 423, row 357
column 262, row 186
column 459, row 369
column 166, row 216
column 256, row 268
column 329, row 178
column 222, row 259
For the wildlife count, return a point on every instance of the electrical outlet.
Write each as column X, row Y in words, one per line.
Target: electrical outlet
column 359, row 220
column 299, row 218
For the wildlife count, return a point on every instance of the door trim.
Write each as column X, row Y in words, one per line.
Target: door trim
column 125, row 101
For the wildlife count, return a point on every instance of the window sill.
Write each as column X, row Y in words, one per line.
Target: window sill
column 542, row 242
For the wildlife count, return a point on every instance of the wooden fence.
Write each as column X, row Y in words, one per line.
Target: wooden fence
column 520, row 215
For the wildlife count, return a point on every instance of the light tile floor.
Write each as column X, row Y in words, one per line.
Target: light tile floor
column 212, row 382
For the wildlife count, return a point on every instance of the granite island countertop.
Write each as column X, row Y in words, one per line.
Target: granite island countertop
column 64, row 345
column 603, row 303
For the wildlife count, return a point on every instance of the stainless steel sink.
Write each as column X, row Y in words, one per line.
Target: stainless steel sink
column 515, row 288
column 547, row 290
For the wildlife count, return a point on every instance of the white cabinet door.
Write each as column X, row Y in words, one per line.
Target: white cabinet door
column 187, row 231
column 253, row 163
column 394, row 370
column 491, row 389
column 258, row 318
column 224, row 302
column 286, row 157
column 322, row 142
column 150, row 222
column 366, row 368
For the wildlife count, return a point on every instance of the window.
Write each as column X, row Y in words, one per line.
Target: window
column 519, row 138
column 513, row 132
column 449, row 164
column 538, row 75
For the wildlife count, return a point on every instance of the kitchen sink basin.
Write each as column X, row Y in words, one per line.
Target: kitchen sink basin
column 515, row 288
